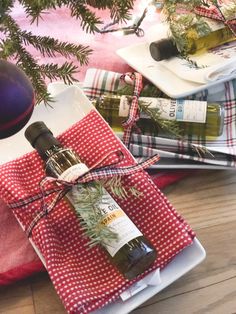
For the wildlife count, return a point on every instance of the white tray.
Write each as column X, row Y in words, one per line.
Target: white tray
column 139, row 58
column 189, row 258
column 70, row 106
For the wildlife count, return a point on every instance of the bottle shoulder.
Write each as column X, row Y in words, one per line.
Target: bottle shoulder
column 60, row 160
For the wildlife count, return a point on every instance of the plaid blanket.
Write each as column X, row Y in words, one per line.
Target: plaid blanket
column 219, row 151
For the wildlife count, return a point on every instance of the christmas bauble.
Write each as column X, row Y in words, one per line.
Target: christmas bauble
column 16, row 99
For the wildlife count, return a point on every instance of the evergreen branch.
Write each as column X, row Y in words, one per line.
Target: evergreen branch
column 23, row 59
column 80, row 10
column 120, row 9
column 26, row 62
column 170, row 126
column 191, row 63
column 201, row 150
column 14, row 47
column 117, row 189
column 50, row 46
column 5, row 7
column 181, row 23
column 86, row 200
column 65, row 72
column 149, row 90
column 88, row 19
column 34, row 9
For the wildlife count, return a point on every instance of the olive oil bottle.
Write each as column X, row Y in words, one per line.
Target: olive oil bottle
column 193, row 117
column 130, row 252
column 166, row 48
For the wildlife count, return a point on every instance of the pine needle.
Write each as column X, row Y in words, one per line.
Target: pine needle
column 86, row 198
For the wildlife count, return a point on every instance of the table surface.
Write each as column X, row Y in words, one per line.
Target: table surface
column 207, row 200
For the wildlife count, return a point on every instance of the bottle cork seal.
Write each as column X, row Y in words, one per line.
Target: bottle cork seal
column 163, row 49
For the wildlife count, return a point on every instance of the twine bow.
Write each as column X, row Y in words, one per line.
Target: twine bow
column 136, row 80
column 215, row 14
column 61, row 187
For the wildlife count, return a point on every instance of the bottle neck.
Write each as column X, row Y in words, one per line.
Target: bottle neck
column 47, row 145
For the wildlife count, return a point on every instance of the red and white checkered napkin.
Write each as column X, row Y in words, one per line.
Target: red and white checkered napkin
column 84, row 278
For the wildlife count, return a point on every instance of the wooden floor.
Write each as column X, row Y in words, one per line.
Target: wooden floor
column 208, row 202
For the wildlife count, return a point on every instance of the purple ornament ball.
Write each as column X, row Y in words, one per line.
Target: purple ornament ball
column 17, row 99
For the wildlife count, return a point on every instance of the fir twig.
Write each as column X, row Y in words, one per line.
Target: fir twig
column 201, row 150
column 117, row 189
column 170, row 126
column 149, row 90
column 65, row 72
column 86, row 199
column 192, row 64
column 49, row 46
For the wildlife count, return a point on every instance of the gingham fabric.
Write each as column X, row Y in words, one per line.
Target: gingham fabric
column 84, row 278
column 61, row 187
column 221, row 150
column 130, row 124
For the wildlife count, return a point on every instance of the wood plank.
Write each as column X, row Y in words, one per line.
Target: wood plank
column 46, row 300
column 218, row 298
column 205, row 199
column 17, row 299
column 210, row 286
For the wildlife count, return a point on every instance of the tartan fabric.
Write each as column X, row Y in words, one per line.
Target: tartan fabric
column 215, row 14
column 98, row 82
column 221, row 151
column 223, row 148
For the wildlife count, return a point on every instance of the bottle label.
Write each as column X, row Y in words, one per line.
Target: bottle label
column 214, row 25
column 169, row 109
column 124, row 106
column 113, row 216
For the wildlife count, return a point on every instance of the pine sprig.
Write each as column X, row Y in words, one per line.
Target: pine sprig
column 13, row 47
column 117, row 189
column 86, row 199
column 49, row 46
column 64, row 72
column 168, row 126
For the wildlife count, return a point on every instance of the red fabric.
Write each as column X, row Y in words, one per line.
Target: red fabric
column 85, row 279
column 21, row 272
column 18, row 259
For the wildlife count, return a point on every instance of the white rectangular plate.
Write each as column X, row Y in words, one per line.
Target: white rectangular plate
column 139, row 58
column 70, row 106
column 180, row 265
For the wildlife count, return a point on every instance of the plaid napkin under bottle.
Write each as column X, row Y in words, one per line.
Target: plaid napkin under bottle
column 84, row 278
column 221, row 150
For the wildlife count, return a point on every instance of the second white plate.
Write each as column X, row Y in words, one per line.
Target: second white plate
column 139, row 58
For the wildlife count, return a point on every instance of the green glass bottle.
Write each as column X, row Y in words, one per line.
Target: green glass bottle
column 131, row 252
column 192, row 117
column 192, row 41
